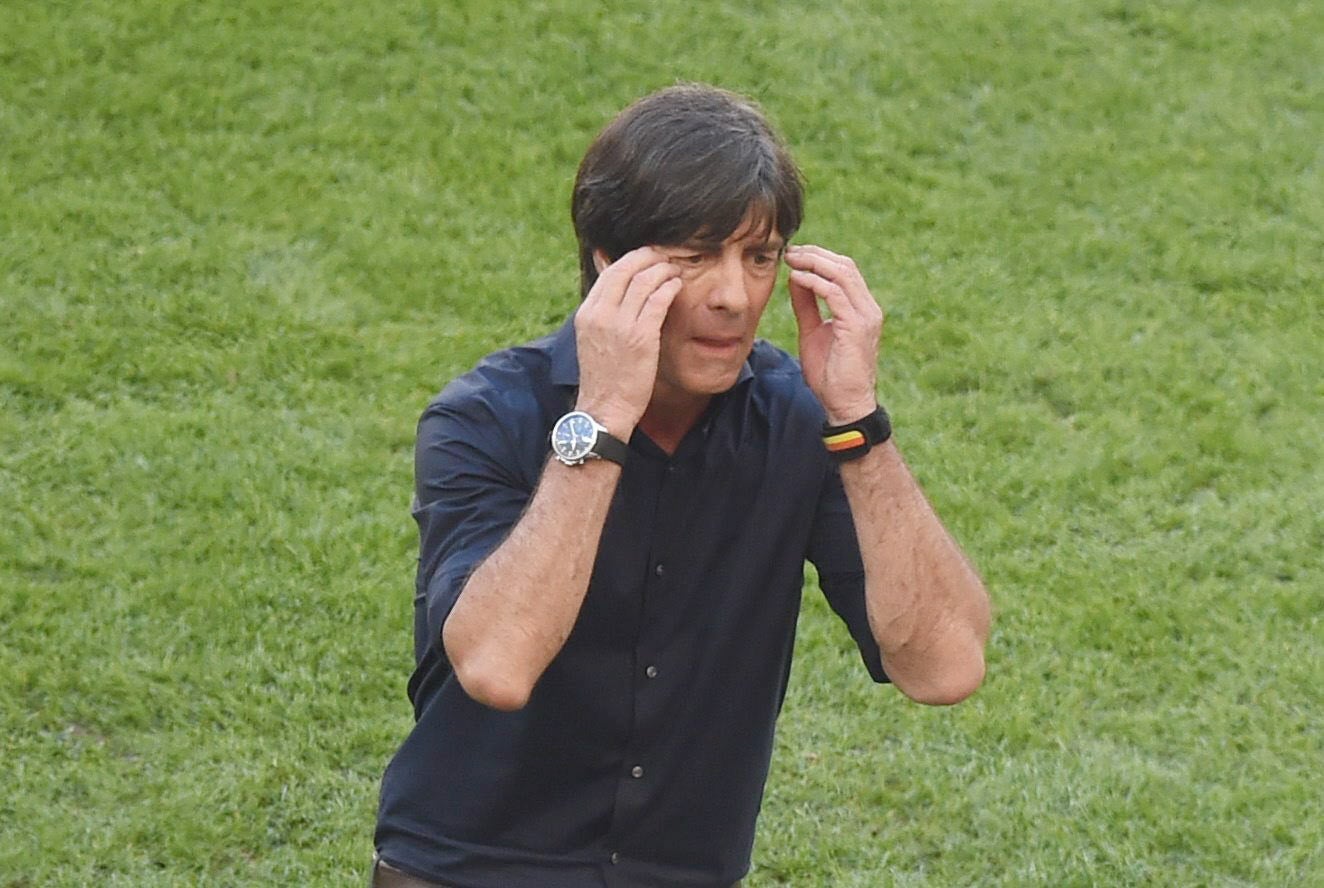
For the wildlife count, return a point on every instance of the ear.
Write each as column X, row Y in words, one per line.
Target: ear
column 600, row 260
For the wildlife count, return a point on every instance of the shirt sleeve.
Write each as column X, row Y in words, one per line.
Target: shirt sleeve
column 468, row 494
column 835, row 551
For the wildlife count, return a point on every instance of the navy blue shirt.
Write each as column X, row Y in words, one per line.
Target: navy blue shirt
column 641, row 755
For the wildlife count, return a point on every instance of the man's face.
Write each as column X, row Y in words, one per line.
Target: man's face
column 709, row 330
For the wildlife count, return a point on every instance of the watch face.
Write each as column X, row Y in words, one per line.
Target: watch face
column 574, row 436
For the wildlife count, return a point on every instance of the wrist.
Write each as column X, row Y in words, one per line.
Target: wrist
column 850, row 414
column 852, row 440
column 577, row 437
column 617, row 420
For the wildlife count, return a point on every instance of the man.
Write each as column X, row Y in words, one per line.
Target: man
column 614, row 522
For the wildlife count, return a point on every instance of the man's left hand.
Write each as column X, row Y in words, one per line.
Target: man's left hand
column 839, row 354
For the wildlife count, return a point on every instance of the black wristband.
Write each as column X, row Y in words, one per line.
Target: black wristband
column 854, row 439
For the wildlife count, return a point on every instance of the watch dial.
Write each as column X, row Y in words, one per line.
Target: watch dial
column 574, row 436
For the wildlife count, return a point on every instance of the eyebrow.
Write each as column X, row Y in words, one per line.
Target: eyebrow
column 774, row 245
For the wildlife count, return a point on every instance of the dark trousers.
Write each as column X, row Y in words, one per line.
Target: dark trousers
column 386, row 876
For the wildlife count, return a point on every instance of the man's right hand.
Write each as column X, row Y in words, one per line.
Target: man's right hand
column 618, row 332
column 520, row 604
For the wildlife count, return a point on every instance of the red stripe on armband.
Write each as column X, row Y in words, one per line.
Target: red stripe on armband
column 844, row 441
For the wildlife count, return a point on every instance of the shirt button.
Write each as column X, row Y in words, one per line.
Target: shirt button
column 651, row 672
column 615, row 857
column 659, row 570
column 636, row 772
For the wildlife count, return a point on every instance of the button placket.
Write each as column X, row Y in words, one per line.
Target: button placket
column 635, row 781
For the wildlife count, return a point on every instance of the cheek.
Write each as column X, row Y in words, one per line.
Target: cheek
column 760, row 294
column 681, row 308
column 673, row 327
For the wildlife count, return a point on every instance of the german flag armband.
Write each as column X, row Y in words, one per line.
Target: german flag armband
column 854, row 439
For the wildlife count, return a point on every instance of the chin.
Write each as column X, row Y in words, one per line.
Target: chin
column 703, row 379
column 715, row 384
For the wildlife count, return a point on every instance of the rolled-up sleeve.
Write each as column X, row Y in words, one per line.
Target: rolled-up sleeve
column 468, row 495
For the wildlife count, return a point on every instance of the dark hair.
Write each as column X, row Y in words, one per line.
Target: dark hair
column 686, row 162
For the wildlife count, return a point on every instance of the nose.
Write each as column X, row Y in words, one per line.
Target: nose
column 728, row 291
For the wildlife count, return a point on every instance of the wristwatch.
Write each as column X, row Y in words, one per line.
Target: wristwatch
column 578, row 437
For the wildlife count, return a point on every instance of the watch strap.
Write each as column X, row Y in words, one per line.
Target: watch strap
column 608, row 446
column 854, row 439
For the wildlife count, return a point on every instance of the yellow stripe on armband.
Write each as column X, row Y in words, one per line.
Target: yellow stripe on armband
column 844, row 441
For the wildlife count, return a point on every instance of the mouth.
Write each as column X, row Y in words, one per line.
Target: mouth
column 719, row 344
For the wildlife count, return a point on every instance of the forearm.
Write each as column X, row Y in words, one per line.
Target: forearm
column 928, row 609
column 518, row 607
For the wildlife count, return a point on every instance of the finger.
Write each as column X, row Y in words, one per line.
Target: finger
column 841, row 270
column 819, row 261
column 644, row 283
column 821, row 252
column 615, row 279
column 830, row 292
column 656, row 305
column 835, row 268
column 804, row 303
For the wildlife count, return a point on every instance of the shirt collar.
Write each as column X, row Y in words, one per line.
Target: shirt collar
column 565, row 358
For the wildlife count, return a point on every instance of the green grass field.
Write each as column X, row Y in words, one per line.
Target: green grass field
column 241, row 245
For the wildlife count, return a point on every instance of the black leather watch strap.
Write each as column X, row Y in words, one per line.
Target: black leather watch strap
column 608, row 446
